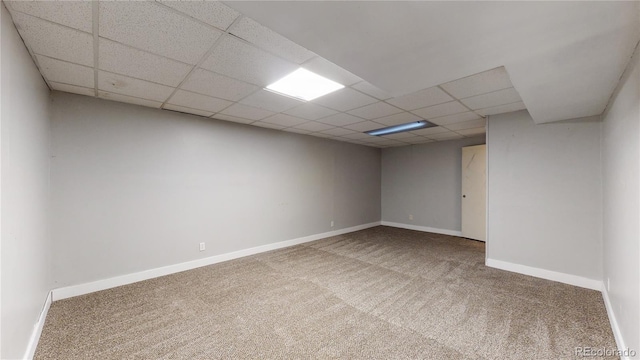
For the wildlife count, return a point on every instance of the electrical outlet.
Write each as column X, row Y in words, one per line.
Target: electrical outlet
column 202, row 247
column 410, row 216
column 331, row 223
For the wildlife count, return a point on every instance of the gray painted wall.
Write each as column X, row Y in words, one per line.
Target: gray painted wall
column 424, row 181
column 26, row 247
column 136, row 188
column 545, row 194
column 621, row 180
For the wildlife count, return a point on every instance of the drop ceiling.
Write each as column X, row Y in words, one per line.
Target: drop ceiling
column 214, row 60
column 564, row 58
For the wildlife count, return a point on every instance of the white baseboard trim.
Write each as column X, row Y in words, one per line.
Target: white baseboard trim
column 422, row 228
column 86, row 288
column 546, row 274
column 617, row 334
column 37, row 329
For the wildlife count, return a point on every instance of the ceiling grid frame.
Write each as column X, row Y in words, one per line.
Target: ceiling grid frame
column 202, row 60
column 95, row 13
column 341, row 132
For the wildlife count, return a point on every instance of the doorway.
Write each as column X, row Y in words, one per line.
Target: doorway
column 474, row 192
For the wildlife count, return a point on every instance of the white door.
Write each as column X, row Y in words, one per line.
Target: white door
column 474, row 192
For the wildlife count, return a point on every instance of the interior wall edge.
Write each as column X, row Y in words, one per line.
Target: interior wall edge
column 564, row 278
column 37, row 328
column 94, row 286
column 617, row 332
column 26, row 197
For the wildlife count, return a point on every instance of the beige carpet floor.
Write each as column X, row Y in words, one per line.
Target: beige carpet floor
column 380, row 293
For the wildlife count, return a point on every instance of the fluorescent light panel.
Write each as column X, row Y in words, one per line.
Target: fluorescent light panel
column 305, row 85
column 400, row 128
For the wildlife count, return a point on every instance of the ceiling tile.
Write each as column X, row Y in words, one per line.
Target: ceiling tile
column 502, row 109
column 123, row 85
column 323, row 135
column 212, row 84
column 154, row 28
column 72, row 89
column 55, row 41
column 377, row 139
column 213, row 13
column 197, row 101
column 284, row 120
column 75, row 14
column 310, row 111
column 296, row 130
column 477, row 84
column 365, row 126
column 268, row 125
column 345, row 99
column 452, row 107
column 125, row 60
column 326, row 68
column 401, row 136
column 240, row 60
column 314, row 126
column 420, row 99
column 369, row 89
column 473, row 131
column 467, row 124
column 450, row 119
column 398, row 144
column 187, row 110
column 340, row 119
column 500, row 97
column 270, row 101
column 246, row 112
column 430, row 131
column 444, row 136
column 384, row 141
column 271, row 41
column 232, row 118
column 398, row 119
column 357, row 136
column 352, row 141
column 338, row 131
column 375, row 110
column 418, row 140
column 128, row 99
column 65, row 72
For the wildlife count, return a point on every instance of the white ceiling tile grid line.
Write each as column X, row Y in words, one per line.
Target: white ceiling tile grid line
column 37, row 55
column 30, row 48
column 268, row 40
column 544, row 55
column 150, row 26
column 194, row 18
column 456, row 99
column 195, row 67
column 368, row 96
column 89, row 33
column 206, row 57
column 95, row 64
column 95, row 27
column 95, row 19
column 96, row 68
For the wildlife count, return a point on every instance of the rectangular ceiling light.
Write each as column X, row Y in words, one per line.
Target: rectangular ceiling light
column 305, row 85
column 415, row 125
